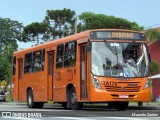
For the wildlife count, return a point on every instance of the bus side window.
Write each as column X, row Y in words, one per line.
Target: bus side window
column 59, row 58
column 28, row 63
column 70, row 54
column 37, row 61
column 66, row 59
column 43, row 59
column 14, row 66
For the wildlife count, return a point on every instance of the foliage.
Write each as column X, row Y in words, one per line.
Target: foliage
column 34, row 31
column 9, row 98
column 6, row 62
column 152, row 35
column 155, row 67
column 63, row 22
column 89, row 20
column 10, row 33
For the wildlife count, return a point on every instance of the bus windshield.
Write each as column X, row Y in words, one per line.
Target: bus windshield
column 117, row 59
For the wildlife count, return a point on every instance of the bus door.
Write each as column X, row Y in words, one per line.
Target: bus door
column 20, row 70
column 83, row 72
column 50, row 74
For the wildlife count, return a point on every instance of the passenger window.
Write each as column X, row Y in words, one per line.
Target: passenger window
column 70, row 54
column 59, row 58
column 34, row 63
column 43, row 59
column 28, row 63
column 37, row 61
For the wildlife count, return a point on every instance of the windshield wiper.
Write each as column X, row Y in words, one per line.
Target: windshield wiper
column 110, row 48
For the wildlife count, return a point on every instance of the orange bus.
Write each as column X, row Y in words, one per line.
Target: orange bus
column 96, row 66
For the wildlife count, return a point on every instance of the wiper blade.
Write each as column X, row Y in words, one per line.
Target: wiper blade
column 110, row 48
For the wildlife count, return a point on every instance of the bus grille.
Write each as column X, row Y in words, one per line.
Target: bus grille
column 128, row 87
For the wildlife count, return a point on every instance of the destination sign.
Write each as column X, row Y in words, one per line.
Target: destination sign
column 116, row 35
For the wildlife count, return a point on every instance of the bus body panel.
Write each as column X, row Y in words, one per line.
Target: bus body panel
column 38, row 85
column 98, row 95
column 118, row 93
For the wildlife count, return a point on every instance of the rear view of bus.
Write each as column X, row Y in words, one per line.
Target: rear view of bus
column 119, row 67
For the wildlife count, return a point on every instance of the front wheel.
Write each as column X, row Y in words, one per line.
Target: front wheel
column 73, row 100
column 121, row 105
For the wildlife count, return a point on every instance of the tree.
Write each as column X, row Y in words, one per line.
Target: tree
column 152, row 35
column 6, row 62
column 63, row 22
column 155, row 67
column 10, row 33
column 89, row 20
column 35, row 31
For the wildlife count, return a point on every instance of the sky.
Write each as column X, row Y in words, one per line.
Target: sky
column 143, row 12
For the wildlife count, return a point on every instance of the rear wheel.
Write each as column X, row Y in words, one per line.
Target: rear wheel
column 30, row 101
column 64, row 105
column 73, row 100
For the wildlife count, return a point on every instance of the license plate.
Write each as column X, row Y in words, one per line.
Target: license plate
column 123, row 96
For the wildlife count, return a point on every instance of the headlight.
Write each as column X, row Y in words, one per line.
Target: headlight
column 148, row 83
column 95, row 82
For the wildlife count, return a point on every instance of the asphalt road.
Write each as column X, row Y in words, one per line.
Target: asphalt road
column 22, row 112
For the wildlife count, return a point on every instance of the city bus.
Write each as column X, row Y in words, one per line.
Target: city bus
column 95, row 66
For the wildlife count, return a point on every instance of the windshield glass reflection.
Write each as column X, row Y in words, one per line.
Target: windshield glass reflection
column 119, row 59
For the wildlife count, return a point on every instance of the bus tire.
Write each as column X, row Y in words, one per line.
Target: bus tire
column 121, row 105
column 64, row 105
column 30, row 101
column 73, row 100
column 111, row 105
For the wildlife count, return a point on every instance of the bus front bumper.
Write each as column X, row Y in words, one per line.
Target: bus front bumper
column 98, row 95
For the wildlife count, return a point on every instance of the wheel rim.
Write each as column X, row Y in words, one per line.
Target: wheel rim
column 73, row 98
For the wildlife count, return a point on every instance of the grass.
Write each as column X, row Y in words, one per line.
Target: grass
column 145, row 103
column 9, row 98
column 50, row 102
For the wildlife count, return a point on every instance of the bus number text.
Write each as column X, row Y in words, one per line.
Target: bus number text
column 109, row 83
